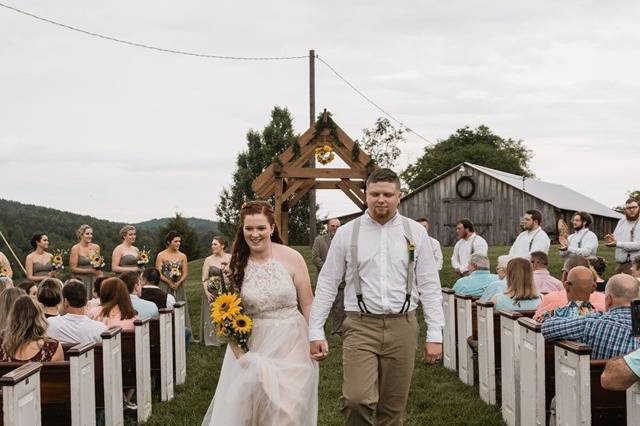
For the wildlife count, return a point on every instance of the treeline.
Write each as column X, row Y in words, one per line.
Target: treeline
column 18, row 223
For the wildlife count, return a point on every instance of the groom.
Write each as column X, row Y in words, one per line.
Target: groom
column 395, row 269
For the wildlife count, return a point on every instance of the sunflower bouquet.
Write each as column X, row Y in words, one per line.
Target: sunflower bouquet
column 215, row 285
column 143, row 257
column 97, row 261
column 230, row 321
column 4, row 271
column 175, row 273
column 57, row 260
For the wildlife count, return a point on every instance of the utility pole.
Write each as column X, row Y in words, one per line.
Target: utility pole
column 312, row 162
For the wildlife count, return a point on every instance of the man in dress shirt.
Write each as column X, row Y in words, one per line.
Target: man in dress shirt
column 5, row 262
column 469, row 243
column 478, row 279
column 533, row 238
column 437, row 250
column 319, row 255
column 388, row 272
column 582, row 242
column 626, row 237
column 542, row 279
column 145, row 308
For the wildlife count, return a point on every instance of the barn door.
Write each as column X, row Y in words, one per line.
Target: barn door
column 478, row 211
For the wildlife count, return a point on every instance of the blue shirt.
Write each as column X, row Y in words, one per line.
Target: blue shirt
column 496, row 287
column 609, row 334
column 505, row 302
column 475, row 283
column 633, row 361
column 145, row 308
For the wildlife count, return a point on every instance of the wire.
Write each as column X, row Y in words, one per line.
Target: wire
column 369, row 100
column 146, row 46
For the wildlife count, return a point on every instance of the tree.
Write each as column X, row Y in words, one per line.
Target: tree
column 189, row 238
column 479, row 146
column 630, row 194
column 381, row 142
column 262, row 150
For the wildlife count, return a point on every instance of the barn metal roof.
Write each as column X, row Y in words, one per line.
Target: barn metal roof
column 555, row 194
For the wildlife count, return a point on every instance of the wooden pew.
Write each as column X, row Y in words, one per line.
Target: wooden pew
column 633, row 403
column 21, row 396
column 161, row 352
column 180, row 354
column 488, row 351
column 136, row 366
column 465, row 318
column 450, row 348
column 537, row 372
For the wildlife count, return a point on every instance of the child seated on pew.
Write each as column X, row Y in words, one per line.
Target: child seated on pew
column 24, row 337
column 521, row 293
column 115, row 307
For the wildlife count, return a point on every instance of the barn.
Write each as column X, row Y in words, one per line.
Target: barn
column 495, row 202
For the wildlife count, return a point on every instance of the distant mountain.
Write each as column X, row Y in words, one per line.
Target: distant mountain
column 199, row 225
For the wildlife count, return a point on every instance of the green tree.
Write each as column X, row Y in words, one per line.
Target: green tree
column 189, row 239
column 479, row 146
column 382, row 142
column 630, row 194
column 262, row 149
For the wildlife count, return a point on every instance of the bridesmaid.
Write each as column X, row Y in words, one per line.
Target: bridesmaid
column 169, row 259
column 80, row 258
column 213, row 266
column 38, row 262
column 125, row 255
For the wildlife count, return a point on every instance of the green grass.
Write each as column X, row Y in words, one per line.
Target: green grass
column 437, row 397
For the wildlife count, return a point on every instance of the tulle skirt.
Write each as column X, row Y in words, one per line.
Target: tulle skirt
column 274, row 384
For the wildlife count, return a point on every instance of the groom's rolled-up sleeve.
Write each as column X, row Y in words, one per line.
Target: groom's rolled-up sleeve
column 327, row 285
column 429, row 290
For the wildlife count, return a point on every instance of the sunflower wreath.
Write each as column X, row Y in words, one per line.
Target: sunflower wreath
column 325, row 154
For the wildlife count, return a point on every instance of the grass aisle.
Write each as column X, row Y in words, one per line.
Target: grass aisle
column 437, row 396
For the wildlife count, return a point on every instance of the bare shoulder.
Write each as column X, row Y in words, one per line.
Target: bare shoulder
column 95, row 247
column 285, row 253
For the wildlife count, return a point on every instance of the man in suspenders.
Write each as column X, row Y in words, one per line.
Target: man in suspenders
column 533, row 238
column 389, row 268
column 582, row 242
column 626, row 237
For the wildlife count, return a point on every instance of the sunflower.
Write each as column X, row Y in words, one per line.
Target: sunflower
column 226, row 306
column 327, row 148
column 144, row 257
column 222, row 331
column 241, row 324
column 57, row 259
column 4, row 270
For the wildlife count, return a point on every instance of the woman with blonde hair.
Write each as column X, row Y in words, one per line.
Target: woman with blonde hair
column 521, row 293
column 125, row 255
column 24, row 336
column 80, row 257
column 7, row 298
column 115, row 305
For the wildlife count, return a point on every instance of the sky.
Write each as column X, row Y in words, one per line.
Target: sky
column 122, row 133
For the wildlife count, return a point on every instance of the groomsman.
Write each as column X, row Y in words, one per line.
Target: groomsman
column 469, row 243
column 626, row 237
column 533, row 238
column 435, row 244
column 582, row 242
column 389, row 268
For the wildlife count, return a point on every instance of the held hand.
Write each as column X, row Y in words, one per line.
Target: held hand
column 611, row 242
column 432, row 352
column 564, row 243
column 237, row 350
column 319, row 349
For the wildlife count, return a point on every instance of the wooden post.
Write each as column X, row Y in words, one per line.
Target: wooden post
column 312, row 161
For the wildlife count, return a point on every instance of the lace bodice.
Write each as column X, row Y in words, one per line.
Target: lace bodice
column 268, row 290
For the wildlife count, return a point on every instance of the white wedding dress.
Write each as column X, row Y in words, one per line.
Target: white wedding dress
column 276, row 382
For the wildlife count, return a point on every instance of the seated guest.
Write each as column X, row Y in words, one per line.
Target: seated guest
column 5, row 282
column 479, row 277
column 579, row 285
column 115, row 307
column 7, row 298
column 144, row 308
column 50, row 296
column 24, row 336
column 635, row 268
column 75, row 326
column 30, row 288
column 152, row 292
column 499, row 286
column 598, row 265
column 521, row 294
column 542, row 279
column 621, row 373
column 609, row 334
column 558, row 299
column 95, row 300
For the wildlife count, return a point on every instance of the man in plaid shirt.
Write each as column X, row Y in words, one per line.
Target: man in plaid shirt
column 609, row 334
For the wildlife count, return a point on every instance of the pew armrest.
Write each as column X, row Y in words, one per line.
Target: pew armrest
column 574, row 347
column 530, row 324
column 19, row 374
column 80, row 349
column 111, row 332
column 513, row 315
column 485, row 304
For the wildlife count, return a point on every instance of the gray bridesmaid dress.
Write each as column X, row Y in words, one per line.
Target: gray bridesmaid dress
column 207, row 329
column 88, row 279
column 178, row 293
column 42, row 269
column 128, row 260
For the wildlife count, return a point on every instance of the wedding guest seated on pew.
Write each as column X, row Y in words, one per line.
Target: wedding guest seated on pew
column 115, row 307
column 30, row 288
column 5, row 282
column 609, row 334
column 50, row 296
column 95, row 300
column 7, row 298
column 598, row 265
column 24, row 336
column 145, row 308
column 521, row 294
column 152, row 292
column 544, row 282
column 479, row 276
column 500, row 285
column 579, row 286
column 621, row 373
column 75, row 326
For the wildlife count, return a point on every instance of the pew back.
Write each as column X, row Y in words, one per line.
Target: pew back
column 161, row 352
column 532, row 373
column 136, row 366
column 110, row 358
column 450, row 344
column 573, row 383
column 21, row 396
column 179, row 323
column 486, row 352
column 465, row 320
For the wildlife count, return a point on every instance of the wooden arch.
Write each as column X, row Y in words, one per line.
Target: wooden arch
column 289, row 176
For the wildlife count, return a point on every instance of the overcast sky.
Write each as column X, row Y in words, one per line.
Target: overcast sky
column 95, row 127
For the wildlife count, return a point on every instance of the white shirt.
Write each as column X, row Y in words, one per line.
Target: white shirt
column 437, row 253
column 530, row 241
column 463, row 249
column 73, row 328
column 383, row 259
column 626, row 247
column 582, row 243
column 170, row 299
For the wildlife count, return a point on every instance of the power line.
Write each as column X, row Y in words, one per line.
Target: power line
column 146, row 46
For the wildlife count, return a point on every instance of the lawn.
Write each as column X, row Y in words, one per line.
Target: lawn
column 437, row 396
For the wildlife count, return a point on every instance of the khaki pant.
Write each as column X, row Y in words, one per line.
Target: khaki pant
column 378, row 357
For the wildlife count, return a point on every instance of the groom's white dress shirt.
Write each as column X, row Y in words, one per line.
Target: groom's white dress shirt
column 582, row 243
column 383, row 258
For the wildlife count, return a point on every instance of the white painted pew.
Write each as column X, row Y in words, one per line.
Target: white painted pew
column 464, row 318
column 83, row 393
column 179, row 342
column 21, row 396
column 143, row 370
column 573, row 383
column 532, row 373
column 486, row 352
column 510, row 366
column 449, row 357
column 633, row 404
column 112, row 376
column 162, row 352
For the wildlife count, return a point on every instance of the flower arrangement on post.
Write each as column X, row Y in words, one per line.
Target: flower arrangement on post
column 57, row 260
column 97, row 261
column 143, row 257
column 230, row 321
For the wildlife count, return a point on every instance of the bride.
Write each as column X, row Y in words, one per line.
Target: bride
column 276, row 382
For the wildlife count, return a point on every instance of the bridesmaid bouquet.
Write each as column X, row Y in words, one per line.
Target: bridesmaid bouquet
column 215, row 285
column 57, row 260
column 97, row 261
column 230, row 322
column 143, row 257
column 175, row 274
column 4, row 271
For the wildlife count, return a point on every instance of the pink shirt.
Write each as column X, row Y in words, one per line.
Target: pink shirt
column 545, row 283
column 113, row 318
column 558, row 299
